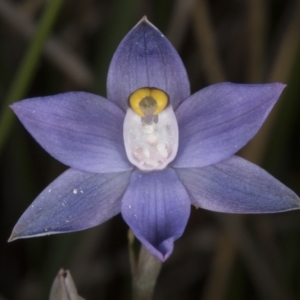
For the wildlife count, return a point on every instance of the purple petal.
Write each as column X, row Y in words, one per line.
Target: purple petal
column 156, row 207
column 219, row 120
column 145, row 58
column 237, row 186
column 82, row 130
column 76, row 200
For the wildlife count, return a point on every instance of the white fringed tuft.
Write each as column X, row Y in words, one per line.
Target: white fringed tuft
column 151, row 146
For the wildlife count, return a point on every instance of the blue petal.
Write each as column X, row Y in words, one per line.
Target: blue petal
column 82, row 130
column 145, row 58
column 156, row 207
column 219, row 120
column 237, row 186
column 76, row 200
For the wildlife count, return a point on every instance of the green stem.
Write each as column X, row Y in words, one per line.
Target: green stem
column 145, row 276
column 27, row 67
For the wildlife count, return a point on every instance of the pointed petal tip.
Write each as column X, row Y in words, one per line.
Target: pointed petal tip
column 237, row 186
column 145, row 22
column 280, row 86
column 145, row 19
column 294, row 201
column 161, row 251
column 14, row 107
column 15, row 235
column 283, row 85
column 161, row 217
column 146, row 58
column 166, row 248
column 12, row 237
column 75, row 201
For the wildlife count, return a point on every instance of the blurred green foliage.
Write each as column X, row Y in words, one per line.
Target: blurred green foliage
column 253, row 41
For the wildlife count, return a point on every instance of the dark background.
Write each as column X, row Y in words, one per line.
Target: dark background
column 219, row 256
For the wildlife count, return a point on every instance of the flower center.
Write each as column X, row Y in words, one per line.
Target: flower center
column 150, row 129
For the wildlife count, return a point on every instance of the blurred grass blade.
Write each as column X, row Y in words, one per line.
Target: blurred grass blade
column 27, row 68
column 206, row 39
column 125, row 14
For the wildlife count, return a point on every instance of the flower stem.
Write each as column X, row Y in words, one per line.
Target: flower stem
column 145, row 275
column 27, row 67
column 144, row 270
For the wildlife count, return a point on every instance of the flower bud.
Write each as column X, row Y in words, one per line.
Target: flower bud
column 63, row 287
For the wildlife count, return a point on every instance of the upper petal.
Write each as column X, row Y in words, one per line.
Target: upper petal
column 237, row 186
column 76, row 200
column 156, row 207
column 145, row 58
column 217, row 121
column 82, row 130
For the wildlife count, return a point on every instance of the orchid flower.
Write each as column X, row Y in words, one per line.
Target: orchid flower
column 150, row 149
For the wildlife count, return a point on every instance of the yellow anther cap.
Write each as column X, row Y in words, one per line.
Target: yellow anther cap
column 147, row 100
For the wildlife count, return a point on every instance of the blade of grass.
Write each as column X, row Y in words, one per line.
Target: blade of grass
column 27, row 68
column 221, row 269
column 257, row 23
column 267, row 284
column 55, row 50
column 206, row 40
column 280, row 71
column 123, row 15
column 179, row 22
